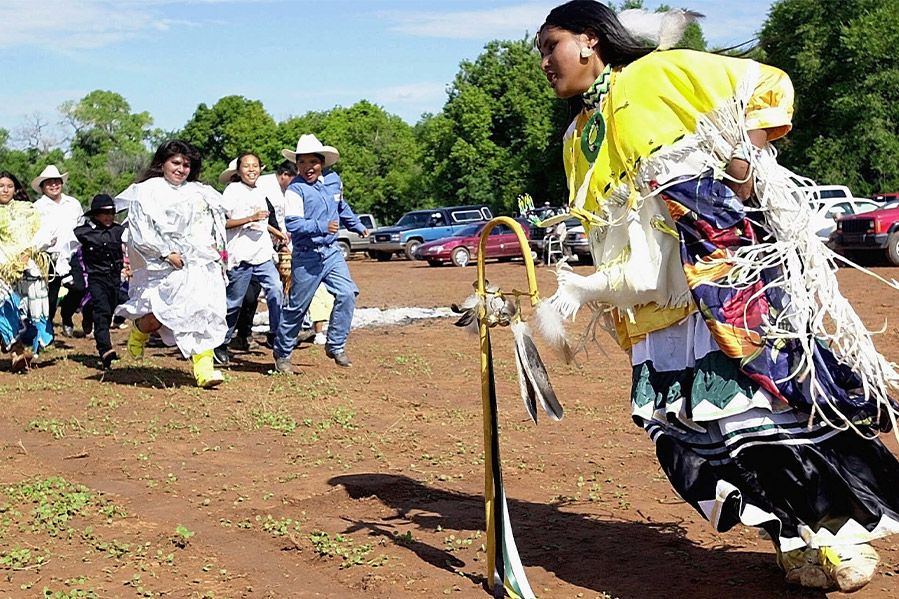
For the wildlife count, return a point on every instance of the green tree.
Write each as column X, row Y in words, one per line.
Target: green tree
column 499, row 134
column 379, row 162
column 233, row 125
column 23, row 163
column 842, row 58
column 107, row 147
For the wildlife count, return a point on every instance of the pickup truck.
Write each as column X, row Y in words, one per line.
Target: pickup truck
column 858, row 235
column 420, row 226
column 818, row 193
column 350, row 241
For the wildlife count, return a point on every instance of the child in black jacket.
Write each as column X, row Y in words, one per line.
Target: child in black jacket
column 101, row 248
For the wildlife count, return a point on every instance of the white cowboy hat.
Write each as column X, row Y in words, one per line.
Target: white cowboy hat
column 309, row 144
column 229, row 172
column 50, row 172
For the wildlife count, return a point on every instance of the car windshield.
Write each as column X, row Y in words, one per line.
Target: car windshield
column 469, row 231
column 414, row 219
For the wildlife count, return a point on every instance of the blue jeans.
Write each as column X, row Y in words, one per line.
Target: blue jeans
column 309, row 269
column 239, row 279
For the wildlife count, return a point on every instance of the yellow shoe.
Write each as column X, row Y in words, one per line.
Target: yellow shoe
column 850, row 567
column 137, row 340
column 204, row 371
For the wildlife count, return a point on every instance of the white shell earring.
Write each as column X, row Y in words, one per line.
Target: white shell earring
column 586, row 52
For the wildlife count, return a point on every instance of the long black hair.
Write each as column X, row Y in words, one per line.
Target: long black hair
column 169, row 149
column 617, row 46
column 19, row 194
column 236, row 176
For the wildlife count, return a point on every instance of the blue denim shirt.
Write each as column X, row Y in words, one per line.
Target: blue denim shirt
column 310, row 207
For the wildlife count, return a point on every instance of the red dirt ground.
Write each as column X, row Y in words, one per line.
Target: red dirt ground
column 356, row 482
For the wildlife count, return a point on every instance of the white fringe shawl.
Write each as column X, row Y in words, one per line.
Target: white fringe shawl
column 816, row 311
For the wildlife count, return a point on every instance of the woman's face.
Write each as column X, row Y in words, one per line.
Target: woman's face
column 248, row 170
column 568, row 73
column 176, row 169
column 7, row 190
column 52, row 188
column 309, row 166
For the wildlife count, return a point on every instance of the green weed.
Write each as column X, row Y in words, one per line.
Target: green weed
column 278, row 527
column 56, row 501
column 278, row 421
column 344, row 548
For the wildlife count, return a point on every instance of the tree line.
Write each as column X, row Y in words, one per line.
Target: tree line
column 499, row 132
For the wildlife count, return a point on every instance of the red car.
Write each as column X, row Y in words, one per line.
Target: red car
column 462, row 248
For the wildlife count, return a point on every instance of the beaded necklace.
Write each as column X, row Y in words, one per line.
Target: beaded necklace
column 595, row 129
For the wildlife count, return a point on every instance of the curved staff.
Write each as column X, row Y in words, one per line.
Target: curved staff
column 504, row 569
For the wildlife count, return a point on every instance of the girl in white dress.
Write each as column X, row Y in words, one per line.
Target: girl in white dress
column 176, row 239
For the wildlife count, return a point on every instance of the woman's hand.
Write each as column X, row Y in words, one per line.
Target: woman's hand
column 261, row 215
column 333, row 226
column 175, row 260
column 739, row 169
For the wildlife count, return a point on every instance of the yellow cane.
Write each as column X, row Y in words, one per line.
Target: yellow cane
column 508, row 576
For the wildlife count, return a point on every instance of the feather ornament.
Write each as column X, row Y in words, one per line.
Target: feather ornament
column 663, row 29
column 533, row 380
column 550, row 325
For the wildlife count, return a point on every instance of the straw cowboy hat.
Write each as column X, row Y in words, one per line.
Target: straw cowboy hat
column 50, row 172
column 309, row 144
column 229, row 172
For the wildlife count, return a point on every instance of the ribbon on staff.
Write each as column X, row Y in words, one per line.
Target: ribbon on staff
column 504, row 569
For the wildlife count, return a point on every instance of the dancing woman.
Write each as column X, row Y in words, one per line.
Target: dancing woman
column 711, row 279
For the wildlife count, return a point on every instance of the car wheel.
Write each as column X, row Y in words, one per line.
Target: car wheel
column 344, row 248
column 893, row 248
column 460, row 257
column 381, row 256
column 435, row 263
column 411, row 246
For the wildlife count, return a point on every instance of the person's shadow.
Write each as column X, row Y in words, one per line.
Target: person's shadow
column 627, row 560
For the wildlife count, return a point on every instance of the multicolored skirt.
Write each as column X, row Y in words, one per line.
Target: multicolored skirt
column 23, row 313
column 739, row 455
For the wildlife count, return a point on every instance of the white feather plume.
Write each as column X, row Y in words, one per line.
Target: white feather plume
column 663, row 29
column 550, row 325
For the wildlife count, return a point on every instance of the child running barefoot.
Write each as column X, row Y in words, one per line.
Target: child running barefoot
column 176, row 236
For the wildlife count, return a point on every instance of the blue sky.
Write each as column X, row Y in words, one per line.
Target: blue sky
column 168, row 56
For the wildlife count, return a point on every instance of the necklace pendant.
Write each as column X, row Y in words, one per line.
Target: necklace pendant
column 593, row 135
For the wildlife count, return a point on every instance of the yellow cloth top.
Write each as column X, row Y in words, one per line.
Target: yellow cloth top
column 658, row 99
column 651, row 104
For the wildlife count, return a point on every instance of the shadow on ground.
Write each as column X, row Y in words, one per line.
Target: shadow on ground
column 627, row 560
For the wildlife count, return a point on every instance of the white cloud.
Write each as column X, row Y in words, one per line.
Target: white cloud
column 84, row 24
column 503, row 22
column 427, row 92
column 63, row 24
